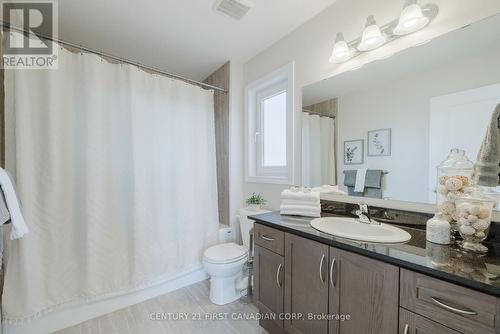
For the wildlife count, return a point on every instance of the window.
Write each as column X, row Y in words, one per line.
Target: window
column 269, row 103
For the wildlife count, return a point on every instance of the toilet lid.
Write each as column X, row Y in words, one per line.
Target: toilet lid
column 225, row 253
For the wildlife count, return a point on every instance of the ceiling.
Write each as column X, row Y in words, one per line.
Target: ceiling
column 186, row 37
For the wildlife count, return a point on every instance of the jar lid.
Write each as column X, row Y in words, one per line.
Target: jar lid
column 457, row 160
column 476, row 193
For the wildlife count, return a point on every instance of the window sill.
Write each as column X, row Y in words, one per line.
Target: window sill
column 269, row 180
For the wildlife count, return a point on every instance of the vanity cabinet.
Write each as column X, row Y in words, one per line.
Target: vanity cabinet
column 268, row 287
column 306, row 285
column 411, row 323
column 365, row 289
column 464, row 310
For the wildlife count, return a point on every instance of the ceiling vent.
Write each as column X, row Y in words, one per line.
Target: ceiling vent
column 233, row 8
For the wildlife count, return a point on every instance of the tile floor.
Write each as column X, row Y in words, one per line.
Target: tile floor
column 192, row 300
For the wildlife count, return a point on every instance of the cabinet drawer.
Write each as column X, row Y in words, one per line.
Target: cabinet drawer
column 462, row 309
column 269, row 238
column 411, row 323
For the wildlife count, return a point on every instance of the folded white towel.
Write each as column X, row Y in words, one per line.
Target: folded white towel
column 19, row 228
column 304, row 213
column 300, row 195
column 299, row 202
column 301, row 207
column 359, row 186
column 327, row 189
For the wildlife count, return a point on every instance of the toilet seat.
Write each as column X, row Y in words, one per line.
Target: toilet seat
column 225, row 253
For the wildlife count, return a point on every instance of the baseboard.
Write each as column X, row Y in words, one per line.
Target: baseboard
column 76, row 314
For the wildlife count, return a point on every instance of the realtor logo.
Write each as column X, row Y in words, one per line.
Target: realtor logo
column 28, row 28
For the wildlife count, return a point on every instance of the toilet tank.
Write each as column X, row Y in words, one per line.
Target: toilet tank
column 247, row 224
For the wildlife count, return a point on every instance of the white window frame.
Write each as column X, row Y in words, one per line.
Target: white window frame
column 272, row 84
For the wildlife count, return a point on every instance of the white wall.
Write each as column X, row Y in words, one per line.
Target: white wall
column 310, row 47
column 404, row 106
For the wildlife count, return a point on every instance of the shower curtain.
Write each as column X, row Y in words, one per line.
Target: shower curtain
column 116, row 172
column 318, row 150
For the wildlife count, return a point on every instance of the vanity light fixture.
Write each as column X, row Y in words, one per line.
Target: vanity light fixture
column 372, row 37
column 341, row 50
column 411, row 19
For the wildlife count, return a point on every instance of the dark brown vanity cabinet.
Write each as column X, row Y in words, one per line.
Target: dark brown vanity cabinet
column 268, row 287
column 411, row 323
column 364, row 289
column 306, row 285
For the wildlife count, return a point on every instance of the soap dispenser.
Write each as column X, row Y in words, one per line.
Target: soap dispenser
column 438, row 230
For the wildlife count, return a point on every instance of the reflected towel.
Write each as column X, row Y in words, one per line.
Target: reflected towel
column 19, row 228
column 327, row 189
column 487, row 169
column 359, row 186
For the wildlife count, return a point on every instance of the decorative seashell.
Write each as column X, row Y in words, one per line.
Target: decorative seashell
column 475, row 209
column 442, row 189
column 446, row 208
column 453, row 184
column 465, row 180
column 442, row 179
column 481, row 225
column 472, row 219
column 452, row 195
column 463, row 221
column 484, row 213
column 480, row 235
column 467, row 230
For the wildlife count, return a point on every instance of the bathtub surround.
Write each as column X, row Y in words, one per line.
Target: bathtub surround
column 104, row 178
column 221, row 78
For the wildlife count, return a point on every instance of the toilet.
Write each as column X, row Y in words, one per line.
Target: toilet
column 224, row 263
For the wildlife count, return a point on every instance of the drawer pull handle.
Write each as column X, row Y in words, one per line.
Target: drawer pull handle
column 451, row 308
column 407, row 328
column 331, row 273
column 278, row 272
column 321, row 268
column 265, row 237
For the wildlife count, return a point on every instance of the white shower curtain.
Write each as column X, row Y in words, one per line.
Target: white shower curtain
column 116, row 172
column 318, row 150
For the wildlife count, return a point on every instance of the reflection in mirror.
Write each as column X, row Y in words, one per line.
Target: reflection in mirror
column 395, row 120
column 318, row 143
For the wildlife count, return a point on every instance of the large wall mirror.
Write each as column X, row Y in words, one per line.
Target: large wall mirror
column 402, row 115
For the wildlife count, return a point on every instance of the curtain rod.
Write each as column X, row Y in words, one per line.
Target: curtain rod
column 316, row 113
column 113, row 57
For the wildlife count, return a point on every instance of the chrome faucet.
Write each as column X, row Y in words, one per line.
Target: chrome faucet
column 364, row 215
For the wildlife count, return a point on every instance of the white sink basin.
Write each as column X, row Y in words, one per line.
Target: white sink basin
column 349, row 228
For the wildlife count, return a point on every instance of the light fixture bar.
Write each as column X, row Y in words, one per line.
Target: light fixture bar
column 430, row 11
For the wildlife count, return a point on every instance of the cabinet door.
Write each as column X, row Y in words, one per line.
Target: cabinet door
column 368, row 292
column 334, row 294
column 268, row 286
column 411, row 323
column 306, row 286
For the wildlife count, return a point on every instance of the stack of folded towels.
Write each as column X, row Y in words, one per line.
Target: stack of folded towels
column 300, row 202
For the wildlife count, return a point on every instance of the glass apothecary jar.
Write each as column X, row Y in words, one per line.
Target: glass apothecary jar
column 474, row 211
column 454, row 175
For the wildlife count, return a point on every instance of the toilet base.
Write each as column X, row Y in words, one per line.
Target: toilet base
column 225, row 290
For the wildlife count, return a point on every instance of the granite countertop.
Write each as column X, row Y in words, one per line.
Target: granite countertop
column 450, row 263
